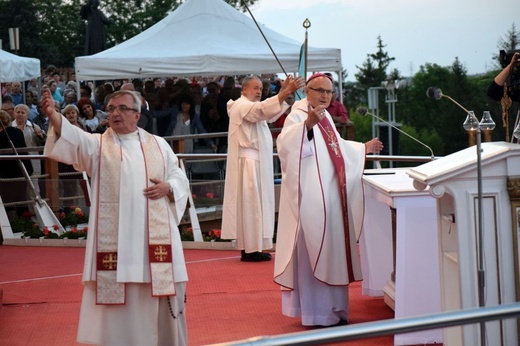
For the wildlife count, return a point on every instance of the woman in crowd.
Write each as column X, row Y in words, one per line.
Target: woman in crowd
column 69, row 183
column 10, row 190
column 188, row 122
column 93, row 120
column 34, row 137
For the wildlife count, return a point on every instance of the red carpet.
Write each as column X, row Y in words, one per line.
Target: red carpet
column 228, row 300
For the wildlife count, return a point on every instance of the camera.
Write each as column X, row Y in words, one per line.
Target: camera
column 513, row 89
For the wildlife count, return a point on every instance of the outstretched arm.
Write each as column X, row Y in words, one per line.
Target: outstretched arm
column 48, row 108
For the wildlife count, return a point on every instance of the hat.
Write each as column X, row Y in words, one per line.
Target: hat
column 316, row 75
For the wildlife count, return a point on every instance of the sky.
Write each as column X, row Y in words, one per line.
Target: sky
column 415, row 32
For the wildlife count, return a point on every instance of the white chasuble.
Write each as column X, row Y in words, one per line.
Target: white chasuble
column 310, row 203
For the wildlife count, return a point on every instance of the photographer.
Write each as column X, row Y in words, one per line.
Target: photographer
column 496, row 88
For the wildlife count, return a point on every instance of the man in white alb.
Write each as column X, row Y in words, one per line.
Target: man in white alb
column 134, row 274
column 248, row 210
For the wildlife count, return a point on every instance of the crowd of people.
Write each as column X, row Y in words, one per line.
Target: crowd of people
column 135, row 286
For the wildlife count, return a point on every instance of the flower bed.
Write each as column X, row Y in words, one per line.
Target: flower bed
column 72, row 219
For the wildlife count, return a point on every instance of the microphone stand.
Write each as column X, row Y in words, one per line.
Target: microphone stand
column 436, row 94
column 364, row 111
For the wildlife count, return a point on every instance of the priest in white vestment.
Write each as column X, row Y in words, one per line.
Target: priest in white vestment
column 248, row 209
column 321, row 210
column 134, row 273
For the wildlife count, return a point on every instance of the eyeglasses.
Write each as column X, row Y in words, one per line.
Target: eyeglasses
column 121, row 109
column 322, row 91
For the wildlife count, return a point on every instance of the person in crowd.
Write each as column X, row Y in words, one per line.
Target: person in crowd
column 6, row 88
column 10, row 190
column 211, row 95
column 8, row 106
column 41, row 119
column 150, row 93
column 336, row 109
column 248, row 209
column 146, row 119
column 195, row 92
column 278, row 124
column 109, row 90
column 135, row 283
column 281, row 120
column 49, row 71
column 56, row 95
column 99, row 97
column 321, row 210
column 33, row 86
column 85, row 91
column 69, row 183
column 71, row 112
column 157, row 82
column 266, row 89
column 188, row 122
column 164, row 112
column 69, row 98
column 90, row 117
column 71, row 86
column 117, row 84
column 16, row 93
column 30, row 97
column 60, row 85
column 34, row 136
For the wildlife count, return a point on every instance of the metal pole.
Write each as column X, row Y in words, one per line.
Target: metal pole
column 480, row 264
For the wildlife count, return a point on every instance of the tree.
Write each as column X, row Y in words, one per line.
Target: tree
column 371, row 74
column 511, row 40
column 373, row 71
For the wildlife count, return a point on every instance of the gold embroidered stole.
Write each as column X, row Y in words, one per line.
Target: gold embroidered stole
column 109, row 291
column 330, row 138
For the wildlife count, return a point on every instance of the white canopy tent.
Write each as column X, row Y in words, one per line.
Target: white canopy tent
column 17, row 68
column 203, row 37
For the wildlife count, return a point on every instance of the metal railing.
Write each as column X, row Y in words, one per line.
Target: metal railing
column 385, row 327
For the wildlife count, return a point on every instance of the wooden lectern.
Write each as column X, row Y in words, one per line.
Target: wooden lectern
column 453, row 181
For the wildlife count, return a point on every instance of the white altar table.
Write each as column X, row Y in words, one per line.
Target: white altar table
column 391, row 198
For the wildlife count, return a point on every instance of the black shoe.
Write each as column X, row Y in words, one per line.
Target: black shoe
column 255, row 257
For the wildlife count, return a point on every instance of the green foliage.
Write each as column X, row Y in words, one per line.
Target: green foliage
column 373, row 71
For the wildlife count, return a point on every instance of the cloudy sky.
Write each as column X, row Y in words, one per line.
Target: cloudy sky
column 415, row 32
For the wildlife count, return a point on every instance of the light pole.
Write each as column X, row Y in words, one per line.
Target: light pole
column 14, row 39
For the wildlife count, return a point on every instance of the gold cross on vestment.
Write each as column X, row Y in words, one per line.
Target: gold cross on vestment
column 110, row 261
column 332, row 140
column 160, row 253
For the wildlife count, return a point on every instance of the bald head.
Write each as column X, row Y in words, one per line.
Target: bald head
column 127, row 86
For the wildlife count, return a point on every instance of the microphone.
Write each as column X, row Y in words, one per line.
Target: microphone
column 436, row 94
column 364, row 112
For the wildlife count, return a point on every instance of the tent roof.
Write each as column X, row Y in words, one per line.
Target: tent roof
column 203, row 37
column 17, row 68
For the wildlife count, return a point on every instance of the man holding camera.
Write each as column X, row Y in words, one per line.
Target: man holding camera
column 496, row 88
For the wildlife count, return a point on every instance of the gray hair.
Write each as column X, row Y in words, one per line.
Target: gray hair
column 68, row 108
column 23, row 106
column 249, row 79
column 135, row 97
